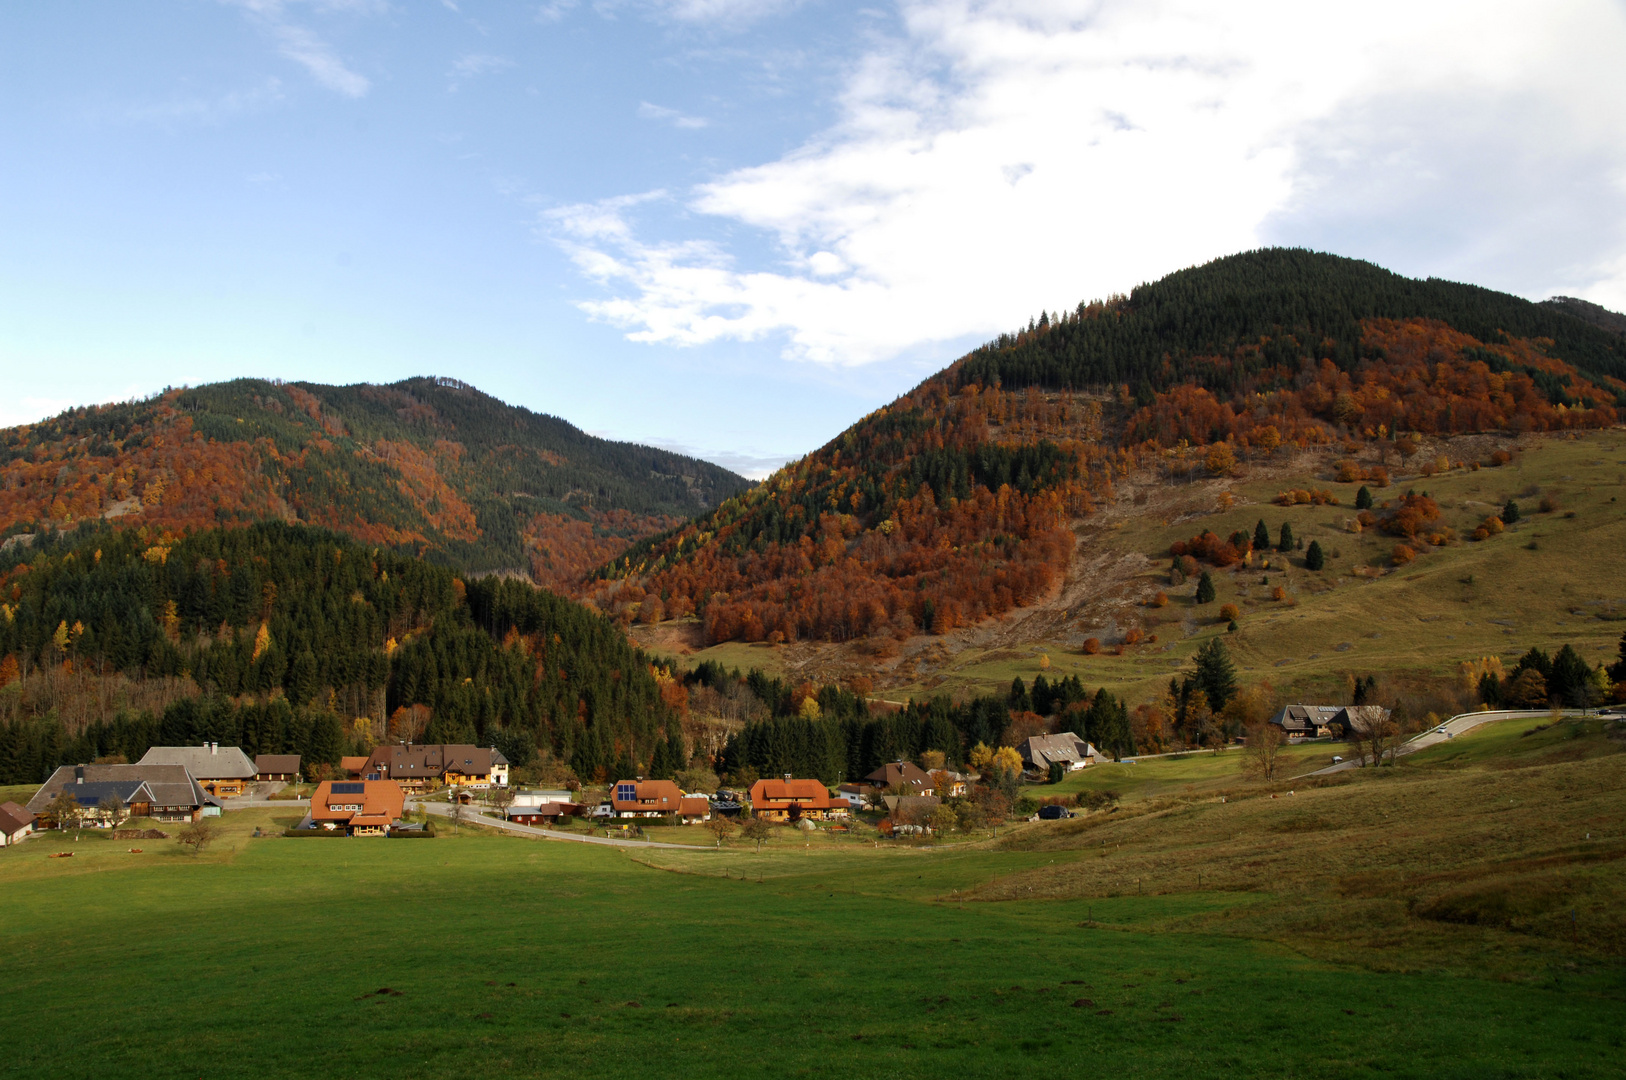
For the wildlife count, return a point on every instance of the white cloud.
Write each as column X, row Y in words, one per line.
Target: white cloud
column 1011, row 155
column 473, row 65
column 307, row 49
column 672, row 116
column 28, row 410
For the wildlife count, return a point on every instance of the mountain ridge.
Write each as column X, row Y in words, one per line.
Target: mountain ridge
column 428, row 464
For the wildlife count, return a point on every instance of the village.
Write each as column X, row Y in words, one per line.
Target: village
column 393, row 791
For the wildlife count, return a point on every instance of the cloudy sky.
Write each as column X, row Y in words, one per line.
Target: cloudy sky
column 734, row 226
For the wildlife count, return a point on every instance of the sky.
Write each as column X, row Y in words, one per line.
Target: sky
column 733, row 227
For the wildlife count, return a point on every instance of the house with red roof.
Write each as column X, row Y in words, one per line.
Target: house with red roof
column 791, row 800
column 359, row 807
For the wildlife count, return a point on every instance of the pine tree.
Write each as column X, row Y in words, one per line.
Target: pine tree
column 1313, row 558
column 1018, row 699
column 1205, row 589
column 1261, row 536
column 1363, row 499
column 1510, row 512
column 1216, row 675
column 1286, row 542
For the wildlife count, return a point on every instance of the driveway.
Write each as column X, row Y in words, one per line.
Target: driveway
column 474, row 818
column 1449, row 730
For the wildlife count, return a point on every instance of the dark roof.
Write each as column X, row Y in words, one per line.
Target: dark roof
column 276, row 763
column 900, row 774
column 1040, row 751
column 13, row 818
column 169, row 785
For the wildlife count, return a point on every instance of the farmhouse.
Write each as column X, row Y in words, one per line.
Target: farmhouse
column 904, row 777
column 359, row 807
column 162, row 792
column 645, row 798
column 1066, row 749
column 420, row 767
column 222, row 772
column 792, row 800
column 275, row 767
column 1321, row 721
column 693, row 809
column 15, row 823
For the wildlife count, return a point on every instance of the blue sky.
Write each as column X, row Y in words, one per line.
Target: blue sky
column 733, row 227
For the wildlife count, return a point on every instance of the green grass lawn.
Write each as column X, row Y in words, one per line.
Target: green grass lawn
column 513, row 957
column 1179, row 773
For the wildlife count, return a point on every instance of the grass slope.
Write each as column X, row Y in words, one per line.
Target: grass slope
column 269, row 956
column 1543, row 582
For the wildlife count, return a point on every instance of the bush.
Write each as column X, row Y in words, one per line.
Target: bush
column 1278, row 593
column 312, row 832
column 1402, row 555
column 1160, row 600
column 425, row 833
column 1091, row 646
column 1229, row 612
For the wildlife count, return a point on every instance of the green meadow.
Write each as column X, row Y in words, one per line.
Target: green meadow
column 502, row 956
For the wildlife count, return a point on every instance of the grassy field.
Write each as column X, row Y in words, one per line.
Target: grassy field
column 1199, row 771
column 1296, row 955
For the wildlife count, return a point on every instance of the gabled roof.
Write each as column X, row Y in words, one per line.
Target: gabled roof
column 907, row 804
column 1041, row 751
column 377, row 799
column 783, row 794
column 276, row 763
column 14, row 818
column 404, row 761
column 694, row 806
column 900, row 774
column 169, row 785
column 209, row 762
column 660, row 796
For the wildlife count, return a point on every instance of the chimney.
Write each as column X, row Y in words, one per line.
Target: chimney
column 214, row 748
column 79, row 774
column 787, row 778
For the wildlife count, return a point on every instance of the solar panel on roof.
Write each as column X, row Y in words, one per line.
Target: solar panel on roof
column 349, row 789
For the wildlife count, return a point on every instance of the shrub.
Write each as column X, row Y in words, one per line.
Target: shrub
column 1233, row 627
column 1402, row 555
column 1378, row 475
column 1091, row 646
column 1549, row 503
column 1349, row 472
column 1278, row 593
column 1133, row 635
column 1160, row 600
column 1229, row 612
column 1498, row 459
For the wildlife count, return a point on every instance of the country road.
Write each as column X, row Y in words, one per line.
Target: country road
column 1449, row 730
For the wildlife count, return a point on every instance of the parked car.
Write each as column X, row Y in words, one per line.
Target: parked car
column 1054, row 813
column 1337, row 758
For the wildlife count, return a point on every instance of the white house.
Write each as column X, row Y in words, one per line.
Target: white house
column 15, row 823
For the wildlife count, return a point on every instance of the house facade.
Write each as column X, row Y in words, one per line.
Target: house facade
column 645, row 798
column 426, row 766
column 224, row 771
column 791, row 800
column 359, row 807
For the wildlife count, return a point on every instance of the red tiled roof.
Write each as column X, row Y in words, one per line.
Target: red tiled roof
column 661, row 796
column 781, row 794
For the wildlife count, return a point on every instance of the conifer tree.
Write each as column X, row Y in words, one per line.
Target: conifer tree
column 1313, row 557
column 1510, row 512
column 1261, row 536
column 1216, row 675
column 1285, row 544
column 1205, row 589
column 1018, row 699
column 1363, row 499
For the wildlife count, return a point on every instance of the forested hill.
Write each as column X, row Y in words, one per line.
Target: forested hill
column 429, row 466
column 282, row 638
column 952, row 503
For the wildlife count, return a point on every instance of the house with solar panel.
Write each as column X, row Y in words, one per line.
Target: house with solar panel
column 160, row 792
column 657, row 798
column 359, row 807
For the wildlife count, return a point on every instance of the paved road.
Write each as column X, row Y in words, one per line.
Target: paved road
column 444, row 810
column 1450, row 729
